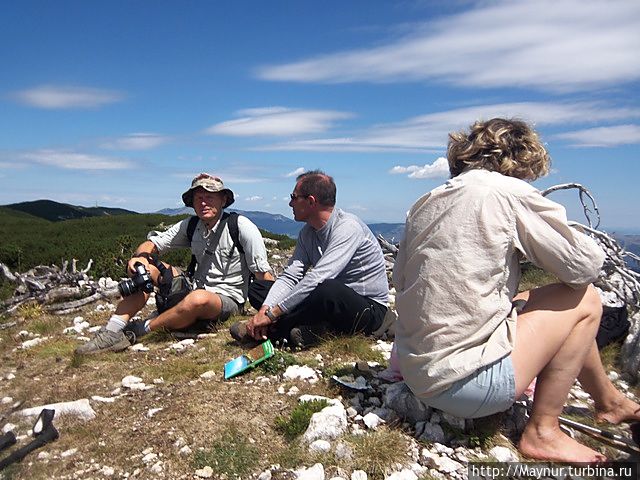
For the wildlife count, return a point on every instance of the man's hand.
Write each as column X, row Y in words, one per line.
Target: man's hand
column 258, row 326
column 130, row 264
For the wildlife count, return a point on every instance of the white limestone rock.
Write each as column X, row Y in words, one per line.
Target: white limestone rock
column 503, row 454
column 400, row 399
column 301, row 372
column 327, row 424
column 78, row 408
column 320, row 446
column 372, row 421
column 315, row 472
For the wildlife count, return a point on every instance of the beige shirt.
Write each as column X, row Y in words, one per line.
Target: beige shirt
column 221, row 268
column 458, row 270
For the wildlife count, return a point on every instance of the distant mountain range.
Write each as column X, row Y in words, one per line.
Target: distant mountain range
column 277, row 223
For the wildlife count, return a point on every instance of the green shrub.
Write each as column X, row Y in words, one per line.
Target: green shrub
column 232, row 455
column 299, row 419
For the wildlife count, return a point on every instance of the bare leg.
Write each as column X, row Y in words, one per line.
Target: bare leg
column 611, row 405
column 198, row 304
column 554, row 336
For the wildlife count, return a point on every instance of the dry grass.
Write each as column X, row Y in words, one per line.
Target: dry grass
column 219, row 420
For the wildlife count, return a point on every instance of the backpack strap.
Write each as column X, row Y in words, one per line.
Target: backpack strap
column 235, row 231
column 191, row 228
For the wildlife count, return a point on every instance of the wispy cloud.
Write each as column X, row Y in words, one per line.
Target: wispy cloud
column 59, row 97
column 546, row 44
column 296, row 172
column 137, row 141
column 277, row 121
column 75, row 161
column 253, row 198
column 429, row 133
column 438, row 169
column 604, row 136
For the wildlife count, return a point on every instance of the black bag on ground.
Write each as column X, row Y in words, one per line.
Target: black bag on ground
column 614, row 325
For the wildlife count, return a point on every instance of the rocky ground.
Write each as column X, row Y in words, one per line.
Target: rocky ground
column 162, row 409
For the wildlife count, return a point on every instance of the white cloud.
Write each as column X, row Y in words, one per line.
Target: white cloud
column 277, row 121
column 137, row 141
column 546, row 44
column 296, row 172
column 75, row 161
column 56, row 97
column 438, row 169
column 429, row 133
column 253, row 198
column 604, row 136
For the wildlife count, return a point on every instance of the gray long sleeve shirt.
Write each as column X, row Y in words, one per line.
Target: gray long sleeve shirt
column 345, row 250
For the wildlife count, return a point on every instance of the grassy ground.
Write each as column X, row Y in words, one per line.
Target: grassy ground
column 237, row 427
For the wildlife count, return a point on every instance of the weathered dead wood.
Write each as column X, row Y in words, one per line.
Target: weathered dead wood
column 71, row 307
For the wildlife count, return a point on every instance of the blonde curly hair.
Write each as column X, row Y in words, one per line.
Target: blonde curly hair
column 507, row 146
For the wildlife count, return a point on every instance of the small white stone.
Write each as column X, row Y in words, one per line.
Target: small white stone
column 293, row 391
column 613, row 375
column 319, row 446
column 185, row 451
column 359, row 475
column 98, row 398
column 300, row 372
column 44, row 456
column 152, row 411
column 266, row 475
column 150, row 457
column 372, row 421
column 206, row 472
column 156, row 468
column 6, row 400
column 139, row 347
column 158, row 381
column 69, row 453
column 503, row 454
column 180, row 442
column 281, row 392
column 404, row 474
column 315, row 472
column 623, row 385
column 107, row 471
column 208, row 374
column 130, row 380
column 10, row 376
column 8, row 427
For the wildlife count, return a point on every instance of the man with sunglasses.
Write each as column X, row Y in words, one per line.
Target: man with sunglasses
column 335, row 281
column 219, row 285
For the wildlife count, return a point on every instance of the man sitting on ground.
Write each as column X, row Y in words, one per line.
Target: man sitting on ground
column 220, row 281
column 335, row 280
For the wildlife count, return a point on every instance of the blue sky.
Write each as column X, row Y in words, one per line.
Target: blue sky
column 121, row 103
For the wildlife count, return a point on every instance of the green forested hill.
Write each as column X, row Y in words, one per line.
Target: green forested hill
column 27, row 241
column 55, row 211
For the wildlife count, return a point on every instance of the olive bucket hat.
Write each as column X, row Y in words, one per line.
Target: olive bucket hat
column 210, row 184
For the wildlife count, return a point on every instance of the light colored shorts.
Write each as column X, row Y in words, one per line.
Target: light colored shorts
column 491, row 389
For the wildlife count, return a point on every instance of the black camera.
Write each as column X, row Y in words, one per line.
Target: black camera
column 140, row 281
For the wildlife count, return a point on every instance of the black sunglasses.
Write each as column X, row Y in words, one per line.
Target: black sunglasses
column 295, row 195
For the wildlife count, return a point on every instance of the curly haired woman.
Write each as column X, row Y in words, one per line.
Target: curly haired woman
column 467, row 343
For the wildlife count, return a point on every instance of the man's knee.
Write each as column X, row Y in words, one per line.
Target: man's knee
column 199, row 300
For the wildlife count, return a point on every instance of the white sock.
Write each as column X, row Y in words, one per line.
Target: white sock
column 116, row 323
column 147, row 326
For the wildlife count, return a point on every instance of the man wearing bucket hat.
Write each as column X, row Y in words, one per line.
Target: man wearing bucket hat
column 219, row 285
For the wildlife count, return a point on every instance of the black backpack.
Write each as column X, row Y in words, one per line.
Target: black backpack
column 614, row 325
column 231, row 219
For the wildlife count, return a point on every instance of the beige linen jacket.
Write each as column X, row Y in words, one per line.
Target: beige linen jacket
column 458, row 270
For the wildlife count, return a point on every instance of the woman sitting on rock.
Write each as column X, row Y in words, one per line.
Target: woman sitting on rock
column 467, row 344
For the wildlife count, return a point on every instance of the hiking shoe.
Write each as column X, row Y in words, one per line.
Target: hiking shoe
column 305, row 336
column 137, row 327
column 239, row 333
column 107, row 341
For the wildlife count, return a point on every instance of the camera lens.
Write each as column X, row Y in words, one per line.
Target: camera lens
column 127, row 287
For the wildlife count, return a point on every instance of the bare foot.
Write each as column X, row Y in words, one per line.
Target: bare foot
column 554, row 445
column 623, row 409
